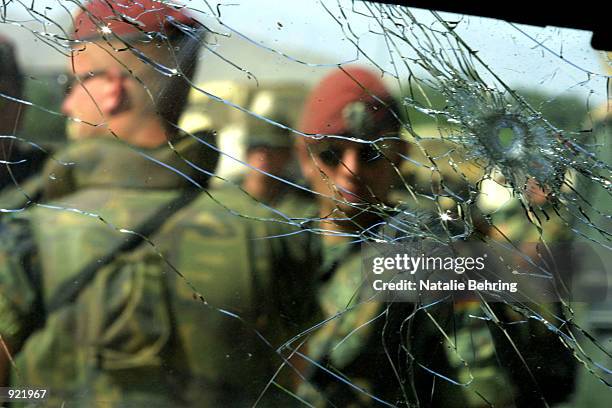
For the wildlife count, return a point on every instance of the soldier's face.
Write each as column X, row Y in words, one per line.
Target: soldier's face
column 85, row 99
column 350, row 175
column 272, row 160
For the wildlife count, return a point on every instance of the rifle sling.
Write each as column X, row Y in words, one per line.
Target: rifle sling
column 68, row 291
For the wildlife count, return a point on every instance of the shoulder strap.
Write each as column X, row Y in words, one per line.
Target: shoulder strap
column 68, row 291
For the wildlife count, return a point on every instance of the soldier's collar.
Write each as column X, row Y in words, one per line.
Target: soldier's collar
column 112, row 163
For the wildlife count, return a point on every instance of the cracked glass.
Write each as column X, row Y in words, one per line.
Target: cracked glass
column 198, row 199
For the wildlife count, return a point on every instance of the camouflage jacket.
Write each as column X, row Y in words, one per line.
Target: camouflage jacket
column 193, row 317
column 351, row 365
column 440, row 355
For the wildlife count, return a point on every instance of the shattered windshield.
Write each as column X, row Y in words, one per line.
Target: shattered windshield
column 323, row 203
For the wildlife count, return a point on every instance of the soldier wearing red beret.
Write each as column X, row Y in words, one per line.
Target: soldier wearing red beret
column 350, row 161
column 96, row 314
column 353, row 168
column 132, row 63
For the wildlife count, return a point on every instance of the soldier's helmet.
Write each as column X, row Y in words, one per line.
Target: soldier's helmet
column 280, row 104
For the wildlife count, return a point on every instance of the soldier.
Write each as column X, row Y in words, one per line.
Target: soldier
column 350, row 177
column 18, row 161
column 103, row 300
column 269, row 148
column 104, row 90
column 400, row 353
column 352, row 180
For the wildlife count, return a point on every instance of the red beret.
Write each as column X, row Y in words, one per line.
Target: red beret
column 127, row 18
column 328, row 107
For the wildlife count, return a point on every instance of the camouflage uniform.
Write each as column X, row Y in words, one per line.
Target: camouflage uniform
column 360, row 339
column 142, row 332
column 442, row 355
column 386, row 350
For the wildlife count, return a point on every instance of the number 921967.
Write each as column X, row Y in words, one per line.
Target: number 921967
column 12, row 394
